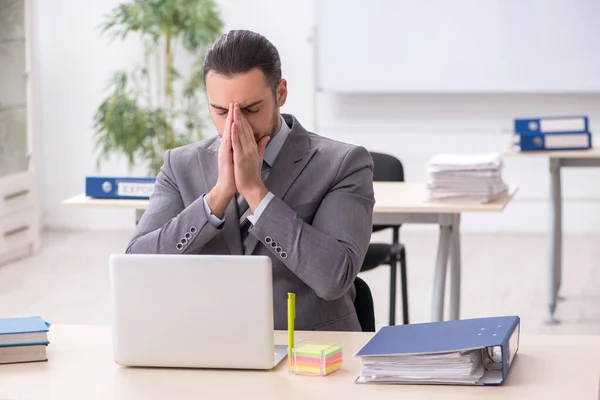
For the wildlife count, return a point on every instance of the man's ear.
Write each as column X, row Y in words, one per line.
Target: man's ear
column 281, row 92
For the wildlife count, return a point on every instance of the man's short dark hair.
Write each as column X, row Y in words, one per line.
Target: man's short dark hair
column 239, row 51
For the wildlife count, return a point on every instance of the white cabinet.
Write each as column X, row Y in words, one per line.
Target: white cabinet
column 19, row 216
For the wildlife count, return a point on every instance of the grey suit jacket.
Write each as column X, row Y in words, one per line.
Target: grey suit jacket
column 320, row 217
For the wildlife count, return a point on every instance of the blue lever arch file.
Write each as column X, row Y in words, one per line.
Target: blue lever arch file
column 553, row 141
column 477, row 351
column 566, row 124
column 119, row 188
column 552, row 133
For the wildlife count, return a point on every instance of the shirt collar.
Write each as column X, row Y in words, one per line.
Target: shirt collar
column 276, row 143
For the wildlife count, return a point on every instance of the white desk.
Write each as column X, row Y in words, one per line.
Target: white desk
column 395, row 203
column 80, row 366
column 406, row 203
column 558, row 160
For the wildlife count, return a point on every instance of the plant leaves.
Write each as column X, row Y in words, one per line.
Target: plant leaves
column 128, row 122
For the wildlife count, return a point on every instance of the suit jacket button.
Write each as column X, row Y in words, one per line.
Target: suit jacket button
column 183, row 241
column 268, row 240
column 283, row 255
column 193, row 230
column 278, row 249
column 273, row 244
column 179, row 246
column 188, row 235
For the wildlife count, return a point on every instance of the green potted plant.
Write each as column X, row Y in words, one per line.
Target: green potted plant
column 154, row 107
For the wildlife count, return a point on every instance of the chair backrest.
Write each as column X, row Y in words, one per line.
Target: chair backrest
column 387, row 168
column 364, row 305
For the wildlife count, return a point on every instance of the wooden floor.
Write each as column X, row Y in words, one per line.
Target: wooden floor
column 67, row 282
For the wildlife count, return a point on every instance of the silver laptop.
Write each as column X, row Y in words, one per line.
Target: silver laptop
column 193, row 311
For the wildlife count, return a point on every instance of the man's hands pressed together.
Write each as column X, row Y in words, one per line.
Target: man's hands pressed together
column 240, row 164
column 247, row 160
column 220, row 196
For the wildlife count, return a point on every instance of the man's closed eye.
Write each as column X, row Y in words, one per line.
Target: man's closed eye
column 253, row 111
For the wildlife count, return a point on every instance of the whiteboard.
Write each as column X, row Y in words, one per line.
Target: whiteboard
column 438, row 46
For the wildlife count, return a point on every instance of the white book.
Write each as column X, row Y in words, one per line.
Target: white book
column 21, row 354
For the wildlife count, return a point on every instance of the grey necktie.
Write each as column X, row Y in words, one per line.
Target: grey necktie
column 244, row 209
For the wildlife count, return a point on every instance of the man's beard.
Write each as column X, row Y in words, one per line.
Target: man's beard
column 273, row 130
column 275, row 122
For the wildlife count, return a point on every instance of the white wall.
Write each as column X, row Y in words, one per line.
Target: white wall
column 75, row 63
column 414, row 128
column 73, row 67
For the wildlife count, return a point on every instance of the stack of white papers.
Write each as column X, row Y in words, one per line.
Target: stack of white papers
column 471, row 178
column 446, row 368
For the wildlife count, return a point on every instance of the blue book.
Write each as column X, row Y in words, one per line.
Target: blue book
column 476, row 351
column 566, row 124
column 119, row 188
column 27, row 331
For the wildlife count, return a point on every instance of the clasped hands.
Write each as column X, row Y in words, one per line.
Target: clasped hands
column 240, row 164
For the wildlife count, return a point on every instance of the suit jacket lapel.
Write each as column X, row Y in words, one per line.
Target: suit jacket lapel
column 230, row 234
column 293, row 157
column 207, row 157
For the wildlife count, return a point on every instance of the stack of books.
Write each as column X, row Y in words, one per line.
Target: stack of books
column 23, row 340
column 471, row 178
column 476, row 351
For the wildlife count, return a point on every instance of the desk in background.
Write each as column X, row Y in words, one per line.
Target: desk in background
column 395, row 203
column 80, row 366
column 557, row 161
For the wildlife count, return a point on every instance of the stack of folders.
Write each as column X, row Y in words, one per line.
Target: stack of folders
column 23, row 340
column 552, row 133
column 470, row 178
column 465, row 352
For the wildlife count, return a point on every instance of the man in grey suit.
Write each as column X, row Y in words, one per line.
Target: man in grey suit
column 266, row 186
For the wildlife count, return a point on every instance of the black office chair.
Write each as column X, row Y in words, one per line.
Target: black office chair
column 389, row 169
column 364, row 305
